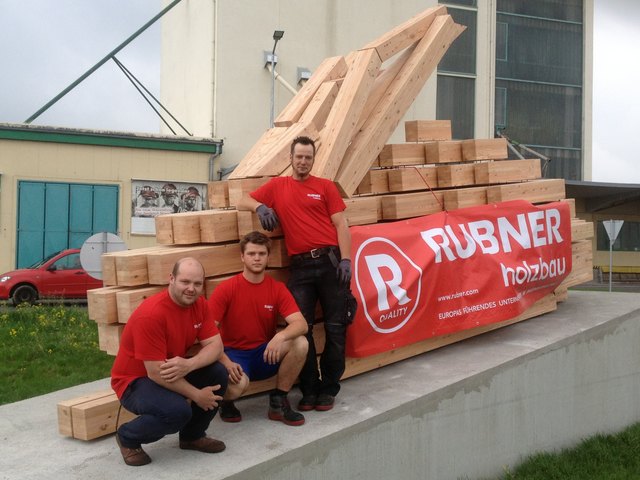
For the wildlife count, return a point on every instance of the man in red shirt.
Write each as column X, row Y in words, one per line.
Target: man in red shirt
column 153, row 377
column 247, row 307
column 311, row 213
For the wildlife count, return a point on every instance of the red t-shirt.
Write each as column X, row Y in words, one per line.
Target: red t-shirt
column 248, row 312
column 304, row 209
column 158, row 329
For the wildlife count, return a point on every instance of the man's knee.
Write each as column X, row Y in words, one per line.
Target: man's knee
column 300, row 345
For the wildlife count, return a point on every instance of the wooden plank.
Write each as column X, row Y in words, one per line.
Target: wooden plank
column 399, row 154
column 412, row 178
column 405, row 34
column 218, row 193
column 243, row 186
column 362, row 210
column 374, row 182
column 536, row 191
column 330, row 68
column 109, row 337
column 464, row 197
column 164, row 229
column 186, row 227
column 98, row 417
column 382, row 83
column 317, row 112
column 484, row 149
column 218, row 226
column 427, row 130
column 369, row 141
column 101, row 304
column 456, row 175
column 277, row 158
column 581, row 230
column 216, row 259
column 65, row 421
column 572, row 205
column 128, row 300
column 248, row 222
column 278, row 257
column 246, row 167
column 507, row 171
column 443, row 152
column 409, row 205
column 343, row 118
column 108, row 264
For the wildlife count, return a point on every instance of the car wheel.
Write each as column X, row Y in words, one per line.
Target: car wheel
column 24, row 294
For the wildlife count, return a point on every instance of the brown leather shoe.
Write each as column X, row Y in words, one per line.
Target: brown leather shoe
column 135, row 457
column 204, row 444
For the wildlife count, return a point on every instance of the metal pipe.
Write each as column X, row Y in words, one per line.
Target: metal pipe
column 101, row 62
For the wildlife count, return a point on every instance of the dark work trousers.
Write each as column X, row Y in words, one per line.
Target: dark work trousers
column 162, row 412
column 313, row 280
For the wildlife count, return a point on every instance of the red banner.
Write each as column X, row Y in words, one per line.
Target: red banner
column 443, row 273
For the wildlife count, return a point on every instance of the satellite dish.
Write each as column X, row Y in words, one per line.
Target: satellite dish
column 93, row 248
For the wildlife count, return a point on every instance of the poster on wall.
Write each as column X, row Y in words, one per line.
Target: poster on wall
column 152, row 198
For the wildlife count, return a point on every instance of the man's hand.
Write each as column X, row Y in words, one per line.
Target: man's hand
column 235, row 372
column 174, row 369
column 268, row 218
column 207, row 398
column 343, row 272
column 273, row 351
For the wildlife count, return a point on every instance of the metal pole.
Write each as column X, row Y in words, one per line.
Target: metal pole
column 101, row 62
column 610, row 262
column 273, row 86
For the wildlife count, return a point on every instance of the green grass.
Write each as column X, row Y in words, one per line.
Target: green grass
column 47, row 348
column 601, row 457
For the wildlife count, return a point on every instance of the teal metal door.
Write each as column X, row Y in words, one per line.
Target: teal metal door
column 54, row 216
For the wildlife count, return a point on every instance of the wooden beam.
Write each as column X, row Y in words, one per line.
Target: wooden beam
column 409, row 205
column 218, row 193
column 412, row 178
column 400, row 154
column 443, row 151
column 427, row 130
column 405, row 34
column 484, row 149
column 465, row 197
column 330, row 68
column 507, row 171
column 456, row 175
column 343, row 118
column 321, row 104
column 374, row 182
column 369, row 141
column 536, row 191
column 246, row 167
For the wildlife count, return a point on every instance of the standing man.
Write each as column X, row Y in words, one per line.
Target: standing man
column 247, row 307
column 153, row 377
column 311, row 213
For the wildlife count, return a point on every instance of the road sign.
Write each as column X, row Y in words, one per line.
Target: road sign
column 613, row 228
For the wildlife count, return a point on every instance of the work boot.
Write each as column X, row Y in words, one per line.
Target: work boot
column 229, row 412
column 203, row 444
column 135, row 457
column 306, row 403
column 280, row 409
column 324, row 402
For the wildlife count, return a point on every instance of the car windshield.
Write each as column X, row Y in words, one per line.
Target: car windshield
column 45, row 260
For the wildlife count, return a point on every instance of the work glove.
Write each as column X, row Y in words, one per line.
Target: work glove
column 344, row 272
column 268, row 218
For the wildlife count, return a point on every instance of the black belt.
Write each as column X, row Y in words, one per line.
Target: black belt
column 315, row 253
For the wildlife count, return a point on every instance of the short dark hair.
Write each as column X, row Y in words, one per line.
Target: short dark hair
column 256, row 238
column 302, row 140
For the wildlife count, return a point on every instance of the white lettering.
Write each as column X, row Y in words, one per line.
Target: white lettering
column 377, row 262
column 525, row 273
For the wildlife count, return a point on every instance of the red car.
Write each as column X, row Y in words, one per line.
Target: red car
column 58, row 276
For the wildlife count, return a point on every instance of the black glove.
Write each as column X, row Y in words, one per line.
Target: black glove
column 344, row 271
column 268, row 218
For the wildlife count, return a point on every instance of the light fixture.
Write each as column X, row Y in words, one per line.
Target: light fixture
column 303, row 75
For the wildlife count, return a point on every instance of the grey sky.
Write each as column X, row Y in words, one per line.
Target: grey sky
column 47, row 44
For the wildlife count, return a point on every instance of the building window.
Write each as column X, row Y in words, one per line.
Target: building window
column 457, row 74
column 541, row 76
column 628, row 238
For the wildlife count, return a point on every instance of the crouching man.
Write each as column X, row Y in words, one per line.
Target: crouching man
column 153, row 377
column 246, row 308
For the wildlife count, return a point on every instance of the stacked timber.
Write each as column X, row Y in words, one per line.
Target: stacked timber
column 350, row 106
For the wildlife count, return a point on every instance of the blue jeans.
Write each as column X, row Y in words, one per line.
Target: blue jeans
column 161, row 411
column 314, row 280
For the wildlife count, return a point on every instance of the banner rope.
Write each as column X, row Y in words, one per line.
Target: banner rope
column 424, row 179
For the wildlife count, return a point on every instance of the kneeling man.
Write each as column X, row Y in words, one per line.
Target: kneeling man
column 247, row 307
